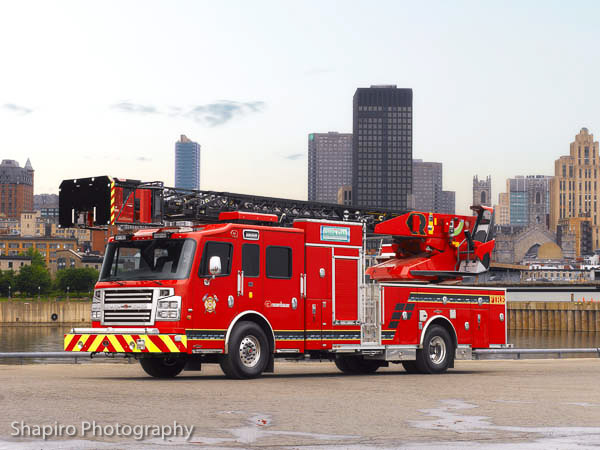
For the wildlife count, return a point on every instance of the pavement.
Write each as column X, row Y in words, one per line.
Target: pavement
column 309, row 405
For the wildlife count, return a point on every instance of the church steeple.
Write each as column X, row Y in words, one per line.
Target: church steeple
column 28, row 165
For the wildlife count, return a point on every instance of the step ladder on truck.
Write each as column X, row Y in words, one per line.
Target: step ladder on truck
column 197, row 277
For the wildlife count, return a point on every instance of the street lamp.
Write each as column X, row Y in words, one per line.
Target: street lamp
column 39, row 288
column 67, row 292
column 9, row 291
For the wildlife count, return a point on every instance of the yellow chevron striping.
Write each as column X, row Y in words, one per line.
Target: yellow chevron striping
column 115, row 343
column 83, row 338
column 169, row 343
column 96, row 343
column 68, row 339
column 151, row 346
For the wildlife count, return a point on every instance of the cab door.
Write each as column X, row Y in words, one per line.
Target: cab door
column 211, row 309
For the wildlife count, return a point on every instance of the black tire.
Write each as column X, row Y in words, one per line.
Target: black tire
column 356, row 364
column 410, row 367
column 248, row 352
column 437, row 354
column 164, row 367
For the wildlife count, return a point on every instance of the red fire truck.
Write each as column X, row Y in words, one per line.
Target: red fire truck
column 245, row 286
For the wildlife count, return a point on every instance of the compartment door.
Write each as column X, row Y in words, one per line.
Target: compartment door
column 344, row 290
column 313, row 318
column 480, row 316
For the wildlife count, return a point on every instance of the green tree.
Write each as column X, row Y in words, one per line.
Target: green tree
column 37, row 259
column 78, row 280
column 32, row 276
column 7, row 278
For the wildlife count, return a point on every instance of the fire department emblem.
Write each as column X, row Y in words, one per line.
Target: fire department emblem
column 234, row 234
column 210, row 303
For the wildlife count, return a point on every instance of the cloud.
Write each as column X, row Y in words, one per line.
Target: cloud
column 18, row 109
column 136, row 108
column 294, row 156
column 143, row 159
column 211, row 114
column 221, row 112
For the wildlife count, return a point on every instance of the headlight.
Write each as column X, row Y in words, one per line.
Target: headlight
column 172, row 314
column 164, row 305
column 163, row 314
column 96, row 315
column 173, row 305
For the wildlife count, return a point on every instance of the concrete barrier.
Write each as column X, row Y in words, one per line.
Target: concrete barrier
column 533, row 316
column 554, row 316
column 34, row 312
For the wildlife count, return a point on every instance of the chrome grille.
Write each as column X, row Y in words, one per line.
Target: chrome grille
column 128, row 307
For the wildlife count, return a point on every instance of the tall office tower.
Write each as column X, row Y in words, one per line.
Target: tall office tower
column 329, row 165
column 502, row 210
column 482, row 191
column 538, row 198
column 427, row 186
column 187, row 164
column 575, row 188
column 16, row 188
column 518, row 201
column 382, row 147
column 427, row 193
column 448, row 205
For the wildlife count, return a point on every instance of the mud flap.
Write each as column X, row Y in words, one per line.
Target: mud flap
column 271, row 364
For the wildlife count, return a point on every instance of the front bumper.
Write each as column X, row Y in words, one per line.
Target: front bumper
column 113, row 342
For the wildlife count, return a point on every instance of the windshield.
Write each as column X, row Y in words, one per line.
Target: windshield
column 162, row 259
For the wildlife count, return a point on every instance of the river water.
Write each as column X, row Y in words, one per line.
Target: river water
column 50, row 339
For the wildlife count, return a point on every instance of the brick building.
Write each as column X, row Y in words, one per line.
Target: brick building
column 16, row 188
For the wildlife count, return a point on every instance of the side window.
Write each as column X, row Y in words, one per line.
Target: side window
column 279, row 262
column 221, row 249
column 251, row 260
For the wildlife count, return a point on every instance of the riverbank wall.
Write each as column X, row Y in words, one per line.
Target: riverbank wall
column 532, row 316
column 35, row 312
column 554, row 316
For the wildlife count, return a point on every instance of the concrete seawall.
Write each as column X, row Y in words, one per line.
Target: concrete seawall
column 554, row 316
column 44, row 312
column 533, row 316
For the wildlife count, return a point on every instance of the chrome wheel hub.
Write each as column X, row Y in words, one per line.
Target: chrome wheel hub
column 249, row 351
column 437, row 350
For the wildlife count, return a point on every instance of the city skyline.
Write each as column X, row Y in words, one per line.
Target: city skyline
column 483, row 98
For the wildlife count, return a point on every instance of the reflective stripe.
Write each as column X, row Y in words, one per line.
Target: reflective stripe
column 119, row 343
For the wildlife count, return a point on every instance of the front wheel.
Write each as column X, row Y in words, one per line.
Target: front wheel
column 247, row 352
column 165, row 367
column 437, row 353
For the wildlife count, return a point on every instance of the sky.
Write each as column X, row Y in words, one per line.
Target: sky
column 106, row 88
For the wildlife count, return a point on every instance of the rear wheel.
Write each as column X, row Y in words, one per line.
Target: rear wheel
column 437, row 353
column 248, row 352
column 356, row 364
column 165, row 367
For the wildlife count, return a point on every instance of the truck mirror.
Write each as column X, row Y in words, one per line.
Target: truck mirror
column 214, row 265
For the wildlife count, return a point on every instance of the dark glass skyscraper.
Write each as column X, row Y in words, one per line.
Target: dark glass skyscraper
column 329, row 165
column 187, row 164
column 382, row 147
